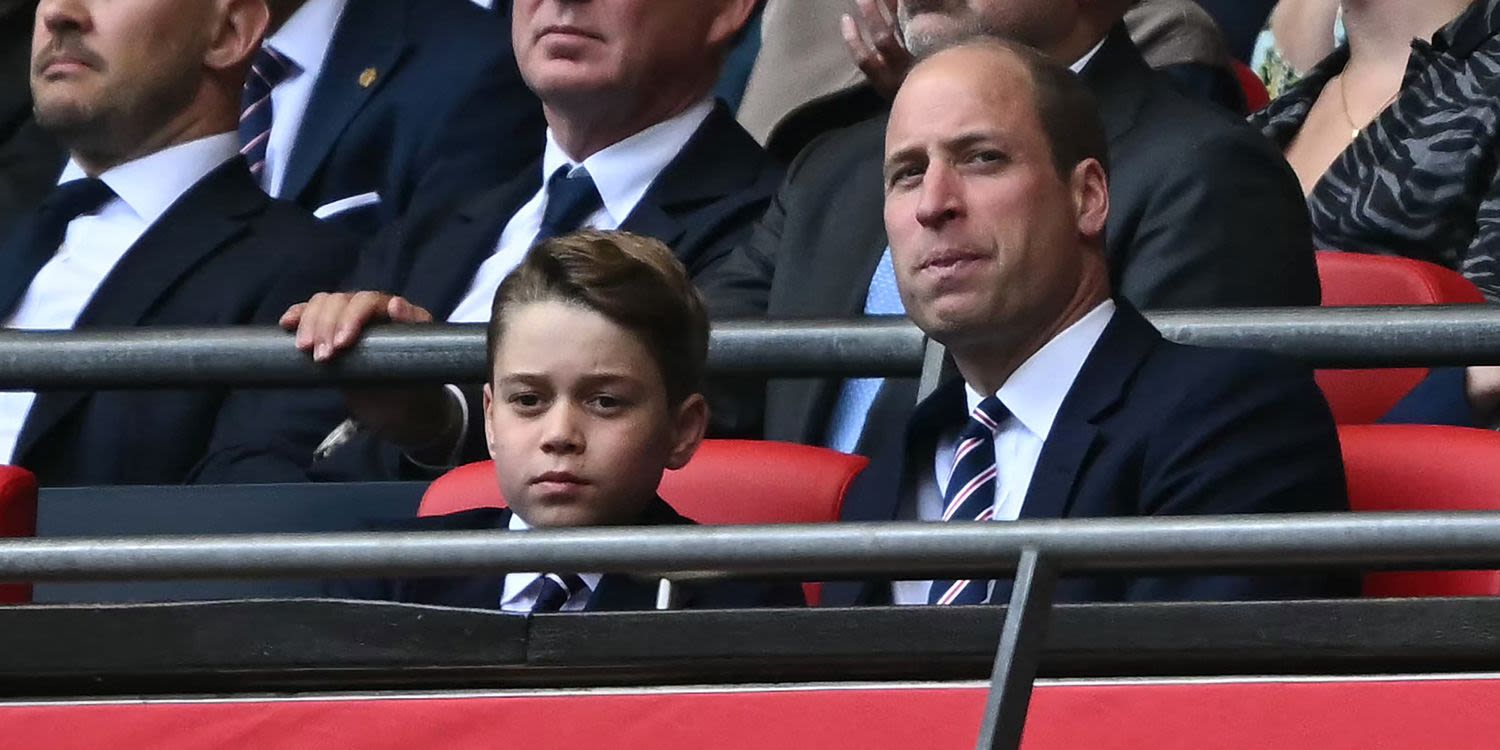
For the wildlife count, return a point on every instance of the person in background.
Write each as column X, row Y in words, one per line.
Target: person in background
column 357, row 110
column 1393, row 139
column 29, row 158
column 155, row 221
column 635, row 141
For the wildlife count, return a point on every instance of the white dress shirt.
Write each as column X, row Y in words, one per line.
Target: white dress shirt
column 622, row 173
column 95, row 243
column 304, row 39
column 1033, row 393
column 521, row 589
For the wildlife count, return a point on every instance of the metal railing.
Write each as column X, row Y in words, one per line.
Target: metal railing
column 240, row 356
column 1037, row 551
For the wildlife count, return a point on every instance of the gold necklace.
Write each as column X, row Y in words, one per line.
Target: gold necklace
column 1354, row 130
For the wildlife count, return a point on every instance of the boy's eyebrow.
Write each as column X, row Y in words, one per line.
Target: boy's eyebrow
column 593, row 378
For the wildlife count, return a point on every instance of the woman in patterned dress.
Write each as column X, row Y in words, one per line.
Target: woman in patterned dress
column 1396, row 141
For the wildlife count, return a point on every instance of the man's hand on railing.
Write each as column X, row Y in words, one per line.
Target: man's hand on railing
column 424, row 421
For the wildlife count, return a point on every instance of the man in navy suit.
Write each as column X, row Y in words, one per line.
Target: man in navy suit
column 635, row 142
column 354, row 107
column 155, row 221
column 1069, row 404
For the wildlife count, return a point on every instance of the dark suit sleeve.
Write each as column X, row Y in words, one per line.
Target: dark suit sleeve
column 739, row 285
column 268, row 436
column 1254, row 437
column 1225, row 225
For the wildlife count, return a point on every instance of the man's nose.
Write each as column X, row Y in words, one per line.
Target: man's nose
column 942, row 195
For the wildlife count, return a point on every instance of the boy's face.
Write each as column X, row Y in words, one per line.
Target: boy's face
column 578, row 419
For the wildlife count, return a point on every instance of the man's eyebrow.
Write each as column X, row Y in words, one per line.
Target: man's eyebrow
column 958, row 142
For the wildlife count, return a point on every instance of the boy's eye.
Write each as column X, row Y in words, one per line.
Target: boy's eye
column 608, row 402
column 525, row 400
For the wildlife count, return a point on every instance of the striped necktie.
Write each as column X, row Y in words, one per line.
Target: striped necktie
column 268, row 71
column 970, row 494
column 557, row 590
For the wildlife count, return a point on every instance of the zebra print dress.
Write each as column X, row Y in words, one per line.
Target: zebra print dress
column 1423, row 180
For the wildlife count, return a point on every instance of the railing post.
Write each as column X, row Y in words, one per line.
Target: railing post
column 1019, row 653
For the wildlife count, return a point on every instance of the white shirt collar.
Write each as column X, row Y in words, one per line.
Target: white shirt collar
column 306, row 36
column 151, row 184
column 524, row 580
column 1083, row 62
column 1035, row 391
column 624, row 171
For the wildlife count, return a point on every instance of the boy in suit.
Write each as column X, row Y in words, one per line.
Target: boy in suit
column 597, row 344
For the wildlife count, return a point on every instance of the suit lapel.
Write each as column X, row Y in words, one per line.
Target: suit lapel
column 439, row 283
column 1102, row 382
column 368, row 45
column 209, row 216
column 623, row 593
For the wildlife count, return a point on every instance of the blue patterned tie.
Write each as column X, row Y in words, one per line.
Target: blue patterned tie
column 970, row 494
column 267, row 72
column 37, row 240
column 571, row 198
column 556, row 591
column 858, row 395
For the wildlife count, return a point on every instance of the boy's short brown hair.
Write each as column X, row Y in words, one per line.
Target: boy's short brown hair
column 634, row 281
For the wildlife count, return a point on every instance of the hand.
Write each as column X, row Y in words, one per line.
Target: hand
column 1483, row 385
column 329, row 324
column 876, row 47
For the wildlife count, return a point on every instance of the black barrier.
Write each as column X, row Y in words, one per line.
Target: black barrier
column 148, row 358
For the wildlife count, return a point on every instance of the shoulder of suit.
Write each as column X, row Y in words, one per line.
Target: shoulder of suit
column 837, row 154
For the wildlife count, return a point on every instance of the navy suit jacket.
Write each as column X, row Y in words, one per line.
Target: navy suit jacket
column 615, row 593
column 415, row 97
column 701, row 205
column 1204, row 212
column 1149, row 428
column 223, row 254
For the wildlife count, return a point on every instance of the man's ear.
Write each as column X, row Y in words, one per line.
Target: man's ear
column 732, row 16
column 489, row 426
column 1090, row 189
column 688, row 427
column 241, row 26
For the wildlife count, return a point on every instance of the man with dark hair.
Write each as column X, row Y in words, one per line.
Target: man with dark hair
column 358, row 110
column 634, row 142
column 1206, row 213
column 155, row 221
column 1068, row 403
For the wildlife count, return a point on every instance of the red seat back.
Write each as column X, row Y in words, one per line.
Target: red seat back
column 1364, row 396
column 1256, row 95
column 727, row 482
column 17, row 519
column 1423, row 468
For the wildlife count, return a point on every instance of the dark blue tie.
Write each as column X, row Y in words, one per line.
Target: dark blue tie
column 571, row 198
column 267, row 72
column 556, row 591
column 36, row 241
column 970, row 495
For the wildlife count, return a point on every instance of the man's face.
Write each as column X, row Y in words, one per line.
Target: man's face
column 578, row 419
column 984, row 232
column 929, row 25
column 107, row 68
column 591, row 47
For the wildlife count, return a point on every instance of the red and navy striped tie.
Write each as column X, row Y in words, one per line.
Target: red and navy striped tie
column 970, row 495
column 267, row 72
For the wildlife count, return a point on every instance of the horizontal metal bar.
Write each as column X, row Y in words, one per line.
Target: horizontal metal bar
column 147, row 358
column 921, row 550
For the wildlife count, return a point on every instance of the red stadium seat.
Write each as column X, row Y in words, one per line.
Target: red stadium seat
column 727, row 482
column 1423, row 468
column 1256, row 95
column 17, row 519
column 1364, row 396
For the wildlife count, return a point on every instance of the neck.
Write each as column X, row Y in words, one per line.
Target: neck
column 1377, row 27
column 584, row 128
column 986, row 365
column 1090, row 30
